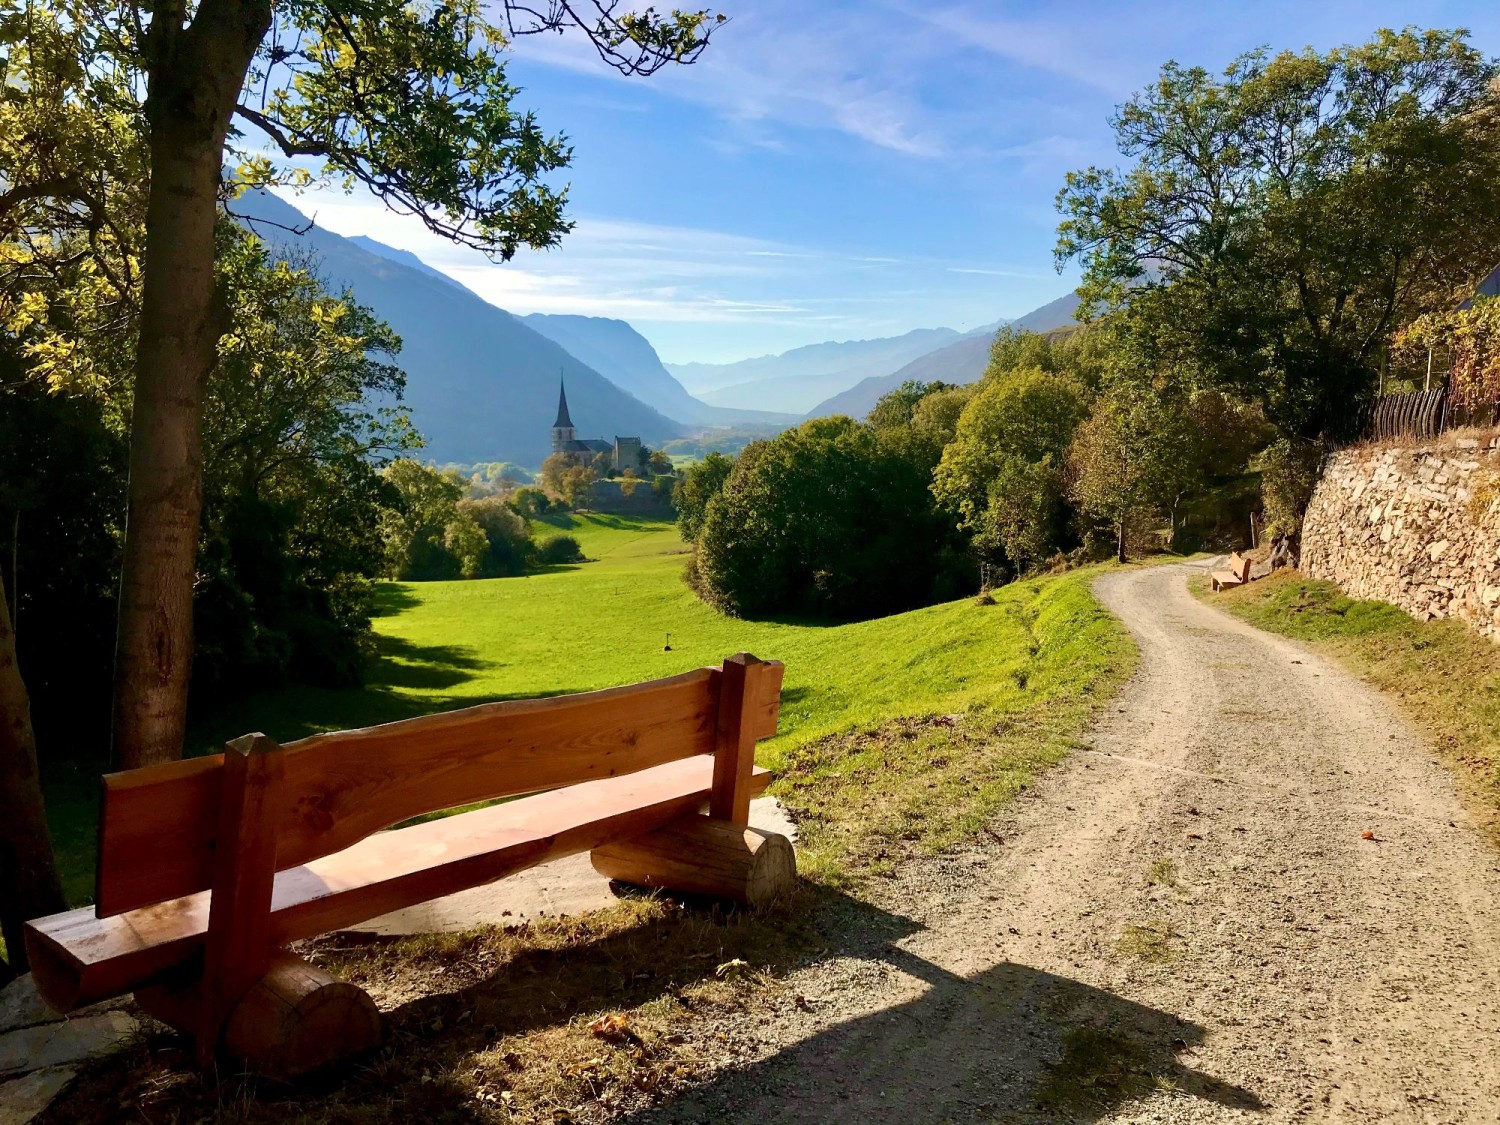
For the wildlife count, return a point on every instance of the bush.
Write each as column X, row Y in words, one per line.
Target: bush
column 509, row 548
column 531, row 503
column 1289, row 473
column 826, row 520
column 560, row 549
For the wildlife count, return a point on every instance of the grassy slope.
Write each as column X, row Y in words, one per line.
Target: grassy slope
column 1444, row 675
column 605, row 622
column 601, row 623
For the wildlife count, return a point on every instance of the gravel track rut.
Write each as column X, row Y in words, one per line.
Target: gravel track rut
column 1183, row 923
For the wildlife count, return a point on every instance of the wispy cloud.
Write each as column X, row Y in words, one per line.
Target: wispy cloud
column 1060, row 47
column 791, row 65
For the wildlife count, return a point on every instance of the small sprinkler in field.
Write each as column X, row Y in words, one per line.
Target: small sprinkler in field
column 668, row 646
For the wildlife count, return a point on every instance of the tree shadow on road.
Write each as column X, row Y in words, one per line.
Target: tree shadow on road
column 1011, row 1044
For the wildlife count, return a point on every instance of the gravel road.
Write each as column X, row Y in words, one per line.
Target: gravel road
column 1184, row 923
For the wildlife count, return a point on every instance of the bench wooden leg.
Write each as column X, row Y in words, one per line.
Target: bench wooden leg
column 294, row 1019
column 704, row 856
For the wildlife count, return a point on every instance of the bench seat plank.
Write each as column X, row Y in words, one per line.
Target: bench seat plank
column 78, row 958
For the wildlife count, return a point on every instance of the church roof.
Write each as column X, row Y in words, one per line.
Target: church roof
column 587, row 445
column 562, row 407
column 1489, row 287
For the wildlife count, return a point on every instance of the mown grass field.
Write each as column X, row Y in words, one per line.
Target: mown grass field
column 1444, row 674
column 605, row 622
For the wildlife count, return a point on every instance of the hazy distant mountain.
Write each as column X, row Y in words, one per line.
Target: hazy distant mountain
column 405, row 257
column 962, row 361
column 481, row 384
column 626, row 358
column 796, row 380
column 1051, row 316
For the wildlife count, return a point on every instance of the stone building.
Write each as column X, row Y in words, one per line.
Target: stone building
column 624, row 454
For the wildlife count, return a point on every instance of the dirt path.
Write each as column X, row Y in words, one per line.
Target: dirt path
column 1181, row 924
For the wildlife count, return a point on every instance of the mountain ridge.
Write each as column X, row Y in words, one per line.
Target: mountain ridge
column 962, row 361
column 481, row 384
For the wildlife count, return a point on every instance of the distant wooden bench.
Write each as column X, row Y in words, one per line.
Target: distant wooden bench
column 1237, row 574
column 209, row 867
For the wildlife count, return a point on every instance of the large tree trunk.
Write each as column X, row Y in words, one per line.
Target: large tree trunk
column 1120, row 543
column 29, row 887
column 196, row 76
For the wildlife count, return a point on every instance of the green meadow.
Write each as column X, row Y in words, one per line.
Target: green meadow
column 606, row 621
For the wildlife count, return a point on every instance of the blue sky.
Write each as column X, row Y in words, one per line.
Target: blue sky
column 836, row 169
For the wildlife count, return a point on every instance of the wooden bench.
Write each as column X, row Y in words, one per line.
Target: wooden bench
column 1237, row 574
column 209, row 867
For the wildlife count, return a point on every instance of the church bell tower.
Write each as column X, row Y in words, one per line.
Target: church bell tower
column 562, row 429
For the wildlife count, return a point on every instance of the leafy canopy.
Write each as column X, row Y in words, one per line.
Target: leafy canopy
column 1281, row 219
column 411, row 101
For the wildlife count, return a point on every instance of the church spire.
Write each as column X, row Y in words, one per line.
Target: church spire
column 563, row 421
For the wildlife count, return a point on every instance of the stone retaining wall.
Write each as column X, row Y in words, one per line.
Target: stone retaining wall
column 1403, row 525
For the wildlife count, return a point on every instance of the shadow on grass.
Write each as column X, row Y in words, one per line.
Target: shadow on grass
column 391, row 598
column 509, row 1013
column 401, row 664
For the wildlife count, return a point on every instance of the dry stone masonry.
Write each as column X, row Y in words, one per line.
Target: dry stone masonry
column 1415, row 526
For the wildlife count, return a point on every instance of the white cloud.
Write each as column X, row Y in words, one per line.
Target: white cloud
column 791, row 64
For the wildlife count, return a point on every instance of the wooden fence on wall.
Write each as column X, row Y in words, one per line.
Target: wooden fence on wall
column 1422, row 415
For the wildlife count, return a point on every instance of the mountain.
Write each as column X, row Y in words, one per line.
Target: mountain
column 962, row 361
column 481, row 385
column 1051, row 316
column 626, row 358
column 796, row 380
column 404, row 257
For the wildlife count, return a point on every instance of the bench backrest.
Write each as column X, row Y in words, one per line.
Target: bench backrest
column 158, row 825
column 1239, row 565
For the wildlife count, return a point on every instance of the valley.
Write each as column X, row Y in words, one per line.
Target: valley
column 481, row 382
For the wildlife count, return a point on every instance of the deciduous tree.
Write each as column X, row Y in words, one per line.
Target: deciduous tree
column 1131, row 456
column 702, row 481
column 411, row 101
column 1281, row 219
column 1002, row 474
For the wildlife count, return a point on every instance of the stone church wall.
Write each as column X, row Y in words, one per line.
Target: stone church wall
column 1415, row 526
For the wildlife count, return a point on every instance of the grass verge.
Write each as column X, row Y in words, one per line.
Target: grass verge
column 867, row 798
column 1444, row 675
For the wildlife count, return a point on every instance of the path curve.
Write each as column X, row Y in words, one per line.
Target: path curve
column 1182, row 924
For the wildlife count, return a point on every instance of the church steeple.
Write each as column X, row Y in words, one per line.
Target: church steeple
column 562, row 429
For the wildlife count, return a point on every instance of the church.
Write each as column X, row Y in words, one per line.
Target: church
column 624, row 454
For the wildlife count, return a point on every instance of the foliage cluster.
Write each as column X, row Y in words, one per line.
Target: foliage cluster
column 830, row 519
column 292, row 496
column 1066, row 444
column 1469, row 337
column 435, row 528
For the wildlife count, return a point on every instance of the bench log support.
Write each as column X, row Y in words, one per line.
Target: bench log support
column 263, row 1007
column 238, row 948
column 702, row 856
column 294, row 1019
column 717, row 855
